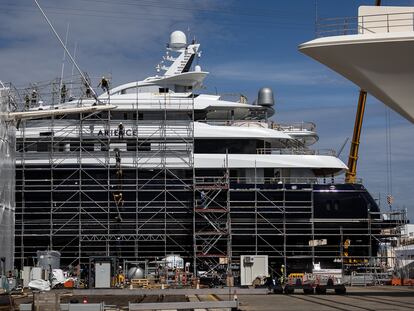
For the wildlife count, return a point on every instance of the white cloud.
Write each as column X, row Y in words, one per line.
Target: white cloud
column 111, row 37
column 273, row 72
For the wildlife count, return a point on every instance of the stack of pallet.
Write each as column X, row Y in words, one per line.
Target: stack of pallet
column 49, row 301
column 139, row 283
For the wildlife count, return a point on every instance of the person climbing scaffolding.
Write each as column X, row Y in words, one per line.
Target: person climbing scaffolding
column 104, row 84
column 120, row 131
column 63, row 93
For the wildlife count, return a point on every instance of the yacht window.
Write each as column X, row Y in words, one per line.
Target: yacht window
column 74, row 146
column 140, row 116
column 120, row 146
column 93, row 116
column 88, row 146
column 139, row 89
column 131, row 146
column 43, row 147
column 163, row 89
column 144, row 147
column 116, row 115
column 30, row 146
column 63, row 147
column 328, row 206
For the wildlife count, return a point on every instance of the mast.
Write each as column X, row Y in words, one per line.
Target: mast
column 66, row 50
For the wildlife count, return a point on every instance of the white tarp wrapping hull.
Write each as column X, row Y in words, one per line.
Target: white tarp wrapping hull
column 7, row 178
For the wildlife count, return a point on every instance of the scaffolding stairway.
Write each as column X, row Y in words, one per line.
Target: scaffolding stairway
column 212, row 224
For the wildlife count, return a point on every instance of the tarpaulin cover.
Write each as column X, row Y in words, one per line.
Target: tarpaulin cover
column 7, row 181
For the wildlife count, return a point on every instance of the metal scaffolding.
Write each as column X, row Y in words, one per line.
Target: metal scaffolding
column 91, row 186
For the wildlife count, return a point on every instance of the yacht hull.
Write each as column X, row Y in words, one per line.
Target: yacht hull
column 156, row 218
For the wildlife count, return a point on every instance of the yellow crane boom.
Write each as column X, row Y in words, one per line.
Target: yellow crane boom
column 350, row 175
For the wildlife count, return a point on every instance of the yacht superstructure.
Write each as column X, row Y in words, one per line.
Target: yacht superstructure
column 171, row 171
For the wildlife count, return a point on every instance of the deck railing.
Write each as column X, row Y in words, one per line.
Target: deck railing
column 296, row 151
column 365, row 24
column 131, row 185
column 295, row 126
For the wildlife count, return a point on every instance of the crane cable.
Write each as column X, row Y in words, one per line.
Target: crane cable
column 388, row 148
column 388, row 153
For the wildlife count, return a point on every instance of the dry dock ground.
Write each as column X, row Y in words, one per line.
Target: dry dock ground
column 379, row 298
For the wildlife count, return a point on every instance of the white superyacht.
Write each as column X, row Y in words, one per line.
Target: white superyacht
column 171, row 170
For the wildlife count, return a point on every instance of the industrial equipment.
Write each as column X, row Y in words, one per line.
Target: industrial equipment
column 102, row 274
column 48, row 260
column 252, row 267
column 101, row 271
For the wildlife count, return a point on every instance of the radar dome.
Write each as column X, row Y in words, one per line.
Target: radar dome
column 178, row 40
column 197, row 68
column 265, row 97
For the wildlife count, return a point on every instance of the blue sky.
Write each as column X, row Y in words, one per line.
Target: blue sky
column 246, row 45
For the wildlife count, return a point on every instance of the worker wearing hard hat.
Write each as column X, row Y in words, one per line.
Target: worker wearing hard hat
column 104, row 84
column 34, row 97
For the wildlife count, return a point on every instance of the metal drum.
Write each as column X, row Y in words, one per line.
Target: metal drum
column 135, row 273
